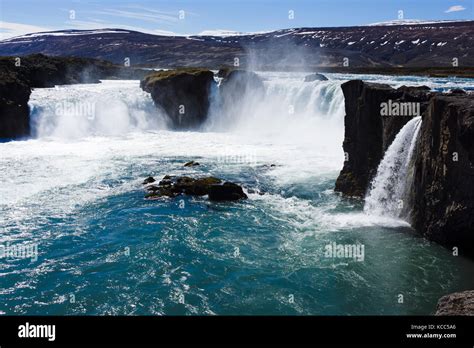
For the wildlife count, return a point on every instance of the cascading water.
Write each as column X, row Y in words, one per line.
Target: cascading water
column 75, row 190
column 389, row 188
column 107, row 109
column 290, row 110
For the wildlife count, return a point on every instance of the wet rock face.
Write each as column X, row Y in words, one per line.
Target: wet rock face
column 173, row 186
column 148, row 180
column 14, row 110
column 226, row 192
column 240, row 80
column 368, row 133
column 239, row 93
column 443, row 189
column 363, row 140
column 238, row 86
column 183, row 94
column 224, row 72
column 191, row 164
column 458, row 303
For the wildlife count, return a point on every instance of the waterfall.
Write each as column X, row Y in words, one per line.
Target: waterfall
column 110, row 108
column 291, row 110
column 287, row 100
column 388, row 191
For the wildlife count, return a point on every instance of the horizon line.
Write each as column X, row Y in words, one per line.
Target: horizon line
column 230, row 33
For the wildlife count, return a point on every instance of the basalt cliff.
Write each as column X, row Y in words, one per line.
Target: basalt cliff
column 442, row 194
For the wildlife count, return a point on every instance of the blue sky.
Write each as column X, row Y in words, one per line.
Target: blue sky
column 18, row 17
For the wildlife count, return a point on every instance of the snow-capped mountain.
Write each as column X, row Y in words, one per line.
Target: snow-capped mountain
column 395, row 43
column 413, row 22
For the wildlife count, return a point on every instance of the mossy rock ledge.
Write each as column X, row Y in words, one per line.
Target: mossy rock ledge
column 183, row 94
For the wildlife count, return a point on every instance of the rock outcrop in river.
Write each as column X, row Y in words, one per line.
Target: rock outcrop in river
column 182, row 93
column 241, row 81
column 237, row 88
column 172, row 186
column 19, row 74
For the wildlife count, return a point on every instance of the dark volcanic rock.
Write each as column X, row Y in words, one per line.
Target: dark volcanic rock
column 14, row 110
column 224, row 72
column 441, row 201
column 172, row 186
column 238, row 83
column 363, row 140
column 457, row 91
column 458, row 303
column 191, row 164
column 39, row 70
column 239, row 91
column 183, row 94
column 315, row 77
column 368, row 134
column 17, row 77
column 148, row 180
column 226, row 192
column 240, row 78
column 443, row 189
column 196, row 187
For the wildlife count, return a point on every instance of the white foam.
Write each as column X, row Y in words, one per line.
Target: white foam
column 77, row 111
column 65, row 167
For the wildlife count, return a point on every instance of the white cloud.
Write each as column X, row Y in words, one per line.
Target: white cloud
column 151, row 17
column 9, row 29
column 170, row 13
column 455, row 8
column 147, row 15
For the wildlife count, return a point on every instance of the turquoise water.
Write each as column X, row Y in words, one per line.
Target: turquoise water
column 191, row 251
column 104, row 249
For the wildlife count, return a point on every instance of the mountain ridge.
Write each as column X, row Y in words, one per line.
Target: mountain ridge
column 411, row 45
